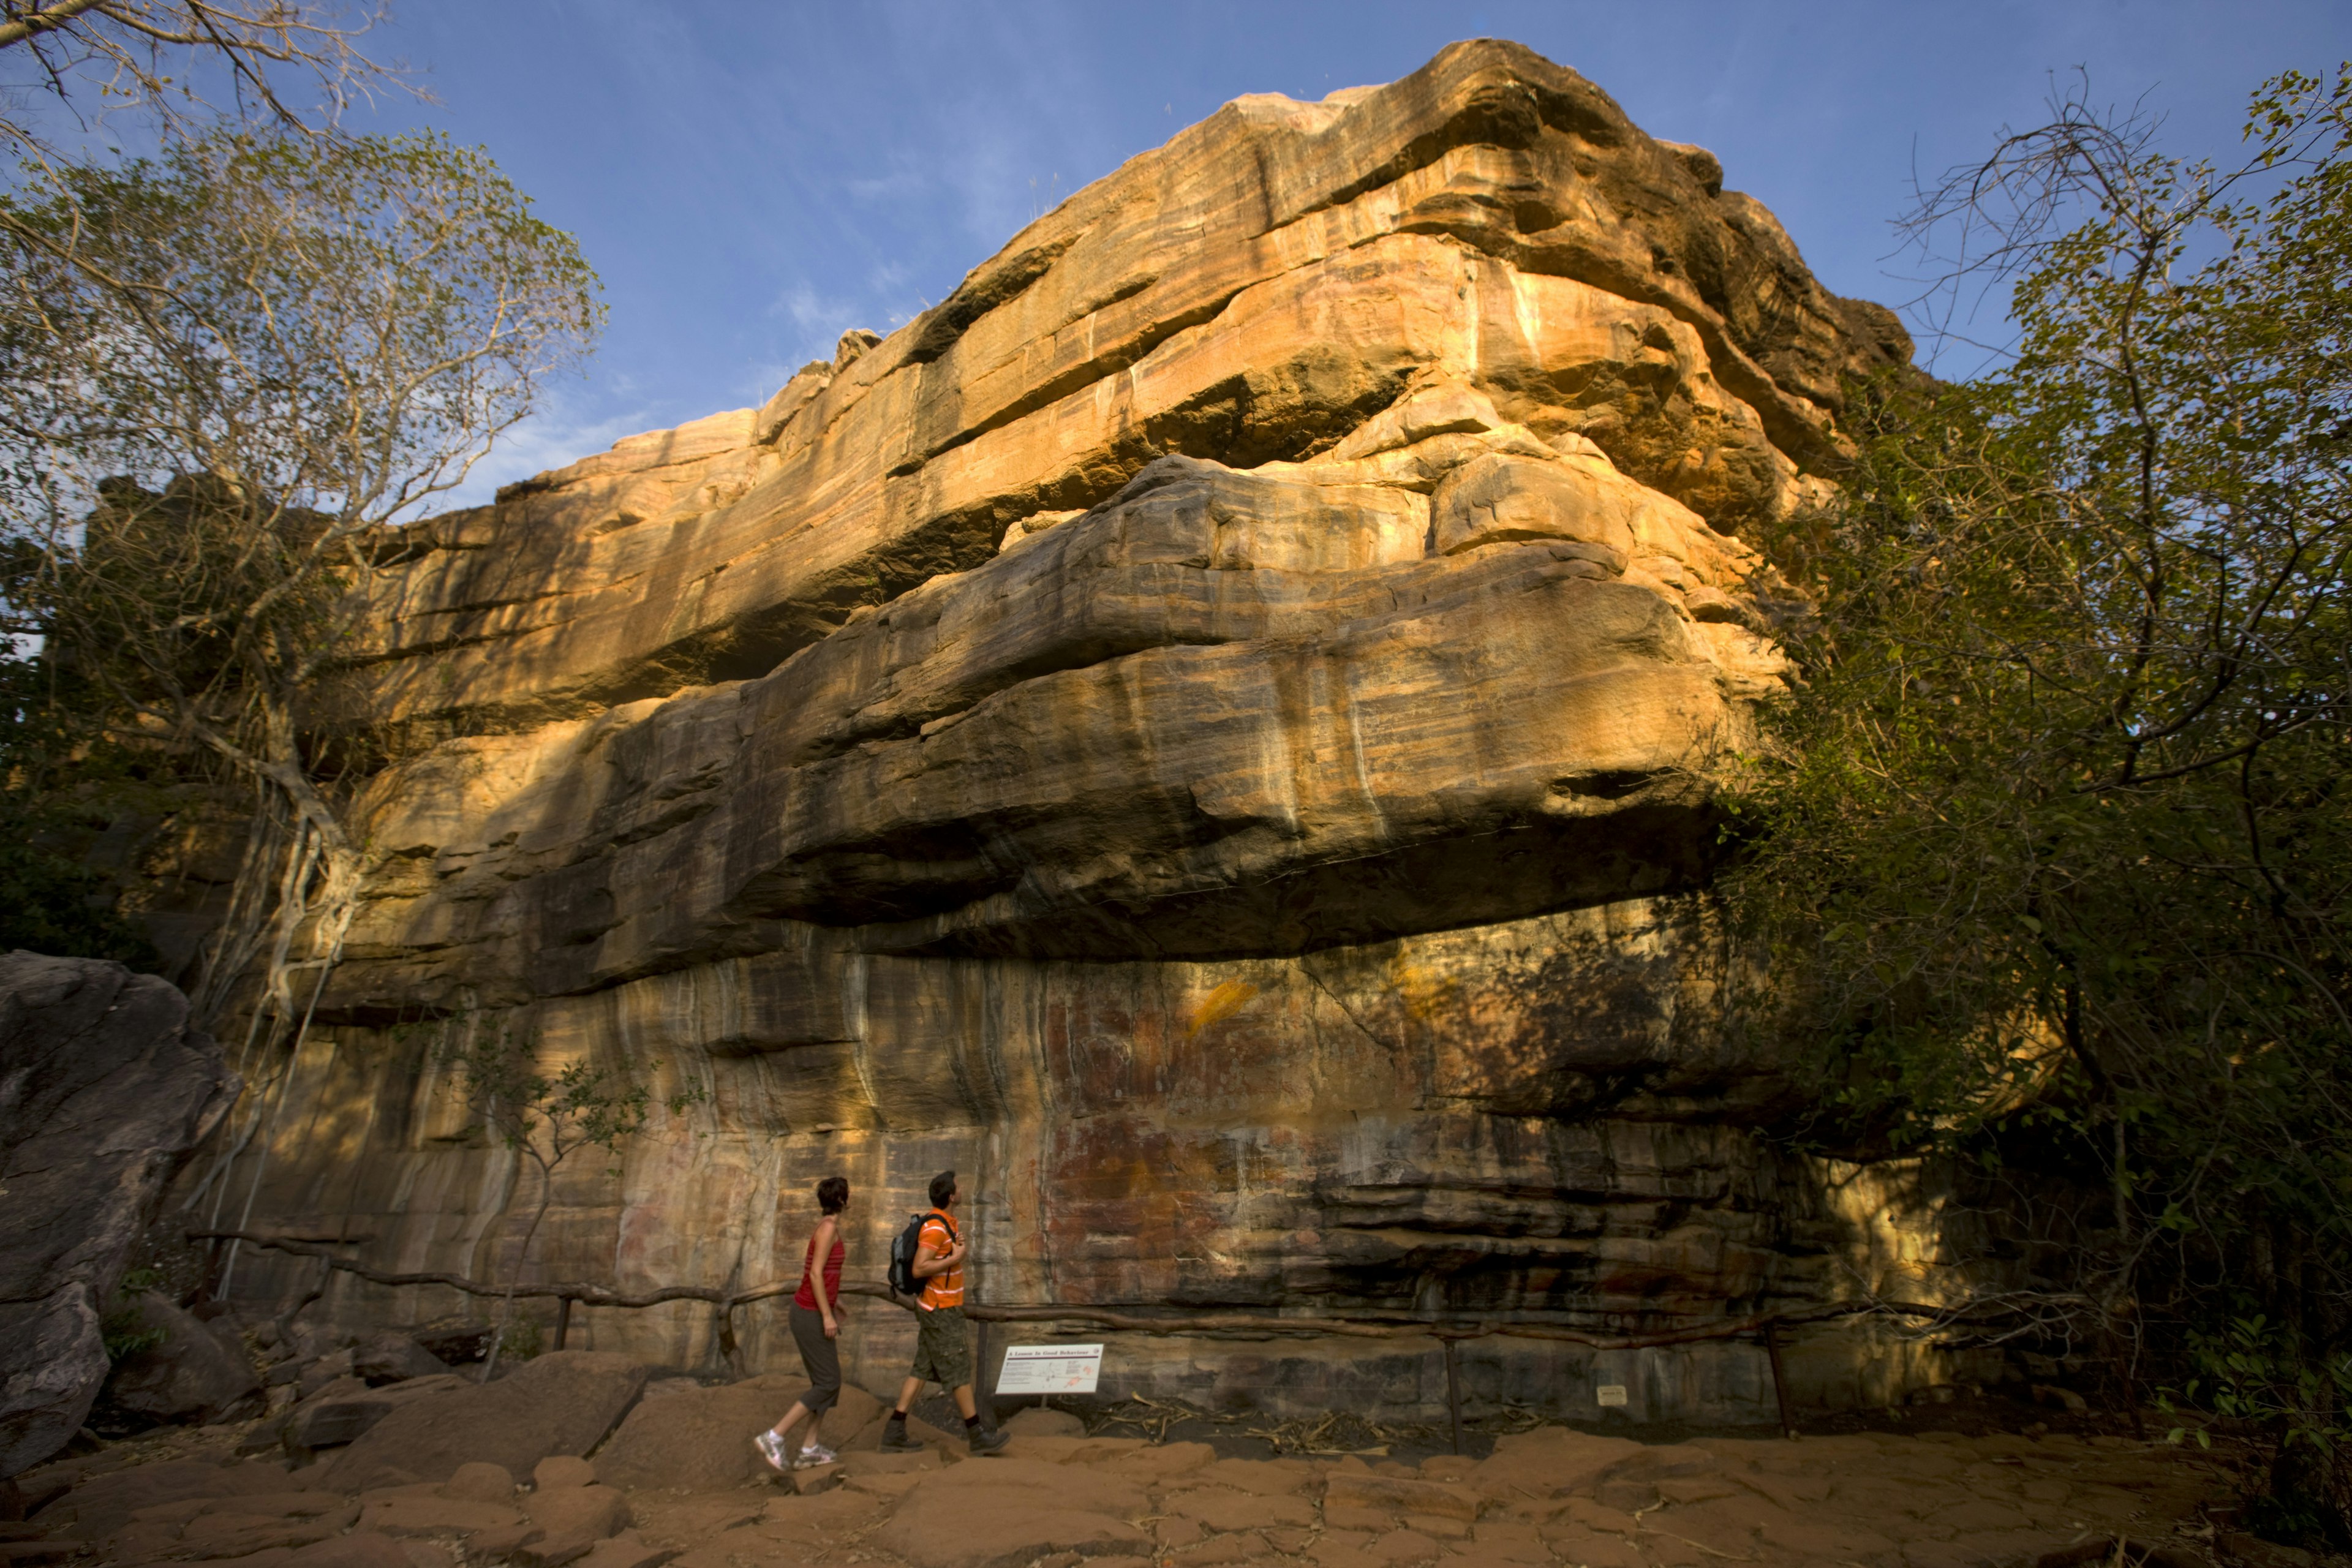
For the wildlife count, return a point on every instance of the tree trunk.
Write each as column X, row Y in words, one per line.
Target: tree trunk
column 514, row 1276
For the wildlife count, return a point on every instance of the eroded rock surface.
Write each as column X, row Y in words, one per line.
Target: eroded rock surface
column 562, row 1404
column 103, row 1088
column 1547, row 1497
column 1256, row 290
column 1210, row 731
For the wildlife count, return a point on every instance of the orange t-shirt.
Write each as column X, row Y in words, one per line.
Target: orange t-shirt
column 944, row 1289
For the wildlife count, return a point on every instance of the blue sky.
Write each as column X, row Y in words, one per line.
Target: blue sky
column 751, row 177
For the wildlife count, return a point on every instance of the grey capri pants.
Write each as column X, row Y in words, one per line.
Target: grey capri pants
column 820, row 1355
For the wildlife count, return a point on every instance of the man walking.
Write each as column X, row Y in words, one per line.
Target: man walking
column 942, row 1349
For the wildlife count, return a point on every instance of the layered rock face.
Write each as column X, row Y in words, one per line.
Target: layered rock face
column 1209, row 732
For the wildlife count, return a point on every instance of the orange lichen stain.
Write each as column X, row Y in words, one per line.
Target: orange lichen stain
column 1426, row 993
column 1219, row 1004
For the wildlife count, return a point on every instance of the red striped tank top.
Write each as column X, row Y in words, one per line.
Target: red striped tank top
column 806, row 1298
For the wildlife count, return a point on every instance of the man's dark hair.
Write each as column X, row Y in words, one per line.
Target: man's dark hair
column 943, row 1189
column 832, row 1194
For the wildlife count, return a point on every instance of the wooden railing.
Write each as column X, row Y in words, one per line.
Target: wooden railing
column 1766, row 1327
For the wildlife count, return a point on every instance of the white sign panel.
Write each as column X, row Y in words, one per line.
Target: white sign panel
column 1050, row 1369
column 1610, row 1395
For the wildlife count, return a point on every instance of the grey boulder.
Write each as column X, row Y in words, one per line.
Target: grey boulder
column 392, row 1358
column 185, row 1374
column 566, row 1402
column 103, row 1089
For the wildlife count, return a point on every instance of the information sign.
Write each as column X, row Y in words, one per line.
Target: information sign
column 1050, row 1369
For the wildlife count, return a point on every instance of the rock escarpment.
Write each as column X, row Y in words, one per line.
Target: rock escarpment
column 1210, row 731
column 102, row 1088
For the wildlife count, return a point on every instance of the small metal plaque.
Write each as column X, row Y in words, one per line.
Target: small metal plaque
column 1611, row 1393
column 1050, row 1369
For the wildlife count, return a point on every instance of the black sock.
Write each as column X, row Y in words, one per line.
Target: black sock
column 898, row 1417
column 971, row 1423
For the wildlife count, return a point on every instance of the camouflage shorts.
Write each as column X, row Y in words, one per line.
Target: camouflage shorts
column 942, row 1349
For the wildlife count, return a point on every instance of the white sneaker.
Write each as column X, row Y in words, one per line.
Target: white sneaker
column 817, row 1454
column 771, row 1448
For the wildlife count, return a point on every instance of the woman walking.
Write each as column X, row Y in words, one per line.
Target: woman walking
column 815, row 1321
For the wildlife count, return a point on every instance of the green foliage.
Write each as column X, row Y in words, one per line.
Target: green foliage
column 51, row 905
column 227, row 374
column 546, row 1119
column 222, row 369
column 2056, row 828
column 49, row 901
column 2249, row 1369
column 121, row 1331
column 522, row 1339
column 2252, row 1371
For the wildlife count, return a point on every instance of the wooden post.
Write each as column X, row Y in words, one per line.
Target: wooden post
column 725, row 1315
column 984, row 1386
column 210, row 1290
column 1453, row 1390
column 562, row 1320
column 1779, row 1377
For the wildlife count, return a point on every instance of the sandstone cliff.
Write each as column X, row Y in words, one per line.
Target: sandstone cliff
column 1209, row 731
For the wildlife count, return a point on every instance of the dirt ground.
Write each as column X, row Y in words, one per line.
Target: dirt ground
column 1945, row 1488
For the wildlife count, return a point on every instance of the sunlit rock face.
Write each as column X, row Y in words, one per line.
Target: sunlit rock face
column 1209, row 732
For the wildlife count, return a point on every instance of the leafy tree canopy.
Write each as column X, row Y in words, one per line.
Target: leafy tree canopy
column 227, row 375
column 2054, row 837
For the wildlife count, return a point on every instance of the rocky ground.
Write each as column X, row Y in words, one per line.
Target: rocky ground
column 579, row 1458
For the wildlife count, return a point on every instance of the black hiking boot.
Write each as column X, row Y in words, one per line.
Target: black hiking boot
column 985, row 1441
column 896, row 1441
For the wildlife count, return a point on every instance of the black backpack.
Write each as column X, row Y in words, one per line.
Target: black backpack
column 907, row 1243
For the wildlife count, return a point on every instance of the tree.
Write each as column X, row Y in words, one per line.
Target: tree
column 2051, row 849
column 149, row 56
column 545, row 1119
column 224, row 376
column 174, row 68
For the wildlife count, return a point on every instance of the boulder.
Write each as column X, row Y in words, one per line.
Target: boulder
column 1230, row 1508
column 479, row 1482
column 571, row 1520
column 867, row 1440
column 360, row 1549
column 1040, row 1423
column 627, row 1550
column 184, row 1374
column 563, row 1402
column 574, row 1512
column 99, row 1507
column 103, row 1089
column 454, row 1344
column 334, row 1367
column 437, row 1515
column 239, row 1534
column 341, row 1412
column 1007, row 1511
column 391, row 1357
column 491, row 1545
column 559, row 1470
column 685, row 1436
